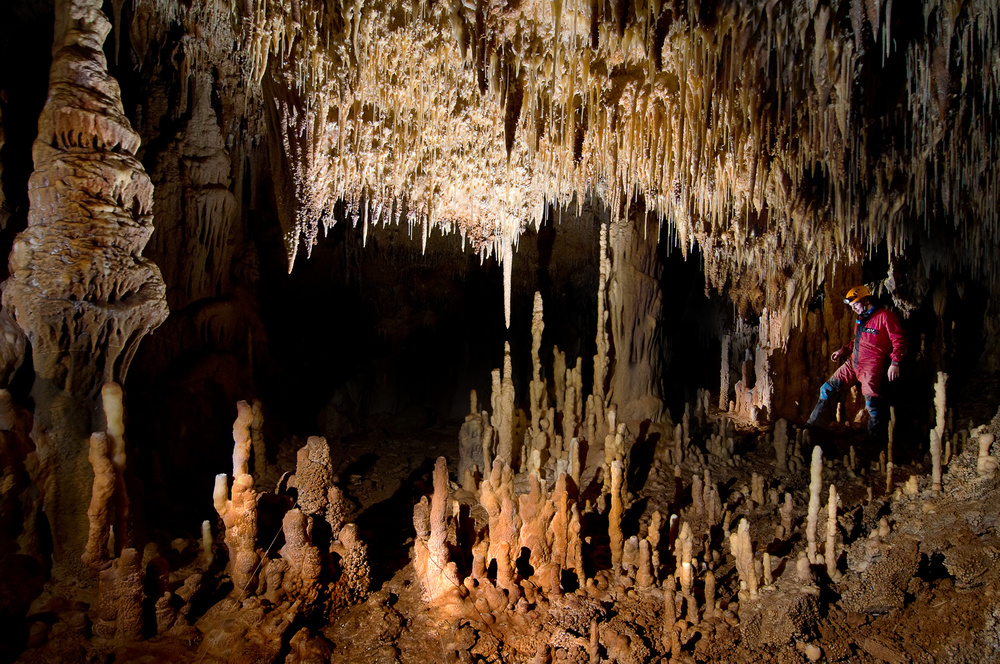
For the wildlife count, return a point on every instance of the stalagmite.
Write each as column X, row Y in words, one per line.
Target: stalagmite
column 257, row 438
column 239, row 515
column 683, row 550
column 503, row 409
column 207, row 555
column 677, row 456
column 437, row 575
column 615, row 516
column 653, row 536
column 536, row 512
column 558, row 529
column 803, row 570
column 488, row 435
column 313, row 471
column 698, row 495
column 574, row 460
column 470, row 440
column 601, row 359
column 937, row 434
column 119, row 614
column 114, row 414
column 757, row 489
column 742, row 549
column 497, row 497
column 710, row 606
column 781, row 447
column 241, row 439
column 986, row 464
column 812, row 519
column 669, row 608
column 724, row 375
column 830, row 551
column 644, row 576
column 786, row 516
column 301, row 555
column 888, row 456
column 100, row 514
column 574, row 552
column 537, row 385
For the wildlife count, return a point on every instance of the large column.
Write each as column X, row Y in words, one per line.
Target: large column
column 79, row 287
column 635, row 305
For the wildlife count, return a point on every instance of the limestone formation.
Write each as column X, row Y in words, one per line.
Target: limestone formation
column 239, row 517
column 100, row 513
column 436, row 573
column 938, row 432
column 78, row 285
column 742, row 549
column 690, row 186
column 815, row 489
column 302, row 556
column 241, row 439
column 119, row 607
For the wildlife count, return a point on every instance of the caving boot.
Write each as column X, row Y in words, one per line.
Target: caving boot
column 817, row 411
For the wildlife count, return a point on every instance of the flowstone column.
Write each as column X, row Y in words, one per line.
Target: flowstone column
column 635, row 305
column 79, row 287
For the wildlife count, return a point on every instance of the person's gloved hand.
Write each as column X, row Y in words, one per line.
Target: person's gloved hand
column 837, row 354
column 893, row 372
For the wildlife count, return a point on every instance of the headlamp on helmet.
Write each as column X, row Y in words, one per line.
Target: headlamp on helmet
column 857, row 294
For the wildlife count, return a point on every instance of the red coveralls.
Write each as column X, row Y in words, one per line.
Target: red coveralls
column 878, row 338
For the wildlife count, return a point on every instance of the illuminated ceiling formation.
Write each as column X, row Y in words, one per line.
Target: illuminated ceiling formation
column 775, row 135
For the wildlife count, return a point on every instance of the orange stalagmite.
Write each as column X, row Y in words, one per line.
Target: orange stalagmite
column 101, row 510
column 437, row 575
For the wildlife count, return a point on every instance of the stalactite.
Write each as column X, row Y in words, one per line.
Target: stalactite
column 490, row 164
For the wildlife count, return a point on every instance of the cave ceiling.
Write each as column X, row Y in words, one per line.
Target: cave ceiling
column 776, row 136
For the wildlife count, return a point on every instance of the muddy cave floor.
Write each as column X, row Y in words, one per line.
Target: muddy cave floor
column 934, row 598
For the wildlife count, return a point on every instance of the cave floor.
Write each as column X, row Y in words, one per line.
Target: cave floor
column 927, row 592
column 943, row 612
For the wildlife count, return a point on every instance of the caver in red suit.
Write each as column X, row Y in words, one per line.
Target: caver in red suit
column 874, row 354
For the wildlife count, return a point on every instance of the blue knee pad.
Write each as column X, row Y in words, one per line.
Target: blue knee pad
column 829, row 389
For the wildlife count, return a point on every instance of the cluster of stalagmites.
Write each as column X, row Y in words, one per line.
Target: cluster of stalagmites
column 535, row 523
column 489, row 551
column 541, row 516
column 322, row 564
